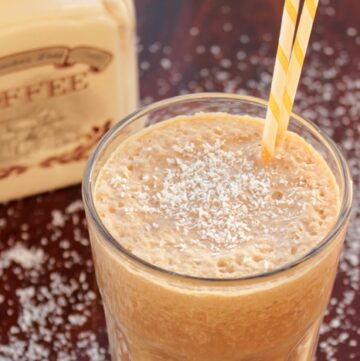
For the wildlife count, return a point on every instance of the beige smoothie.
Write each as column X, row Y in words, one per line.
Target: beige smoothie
column 191, row 196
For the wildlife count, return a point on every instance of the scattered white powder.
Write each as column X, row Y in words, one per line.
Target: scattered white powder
column 215, row 50
column 351, row 31
column 77, row 319
column 155, row 47
column 165, row 63
column 49, row 313
column 194, row 31
column 227, row 27
column 26, row 258
column 58, row 219
column 75, row 206
column 41, row 324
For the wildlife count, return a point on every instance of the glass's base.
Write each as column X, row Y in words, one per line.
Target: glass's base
column 304, row 351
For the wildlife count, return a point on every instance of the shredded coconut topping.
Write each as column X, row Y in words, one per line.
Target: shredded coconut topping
column 205, row 194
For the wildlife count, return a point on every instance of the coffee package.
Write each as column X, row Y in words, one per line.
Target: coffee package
column 68, row 71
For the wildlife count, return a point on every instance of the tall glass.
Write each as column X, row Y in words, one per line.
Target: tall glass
column 156, row 315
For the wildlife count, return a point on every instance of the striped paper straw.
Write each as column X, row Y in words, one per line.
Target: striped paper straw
column 296, row 64
column 274, row 114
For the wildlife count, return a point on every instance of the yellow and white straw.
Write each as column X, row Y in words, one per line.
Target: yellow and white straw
column 273, row 116
column 288, row 65
column 296, row 63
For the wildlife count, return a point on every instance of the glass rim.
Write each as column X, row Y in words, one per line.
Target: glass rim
column 345, row 207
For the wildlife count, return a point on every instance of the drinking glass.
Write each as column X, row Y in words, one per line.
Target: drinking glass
column 153, row 314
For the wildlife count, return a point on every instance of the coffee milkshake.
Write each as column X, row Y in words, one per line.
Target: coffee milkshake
column 202, row 227
column 192, row 196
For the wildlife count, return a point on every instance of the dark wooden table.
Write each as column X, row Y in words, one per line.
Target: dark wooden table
column 49, row 303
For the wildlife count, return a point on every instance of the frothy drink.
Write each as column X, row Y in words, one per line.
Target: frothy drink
column 191, row 196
